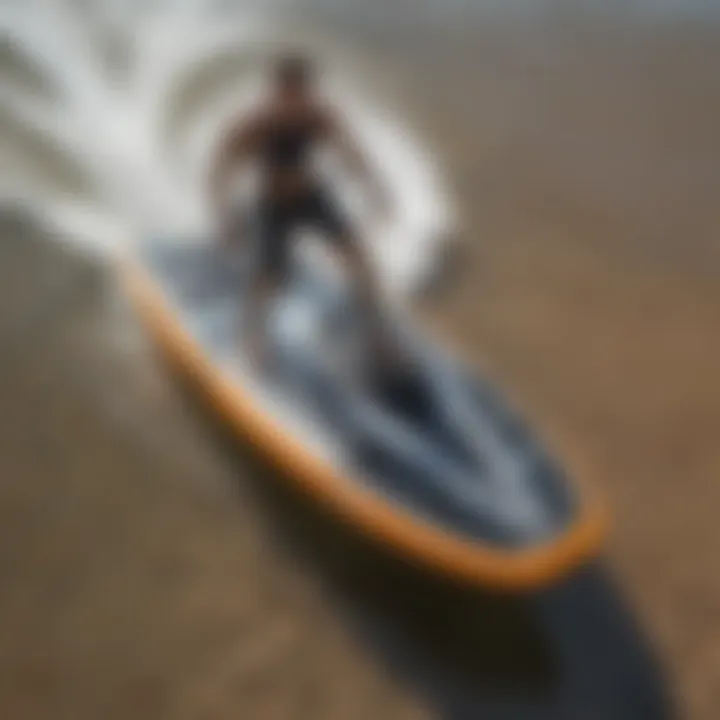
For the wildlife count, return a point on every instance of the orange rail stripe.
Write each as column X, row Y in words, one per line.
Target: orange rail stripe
column 412, row 538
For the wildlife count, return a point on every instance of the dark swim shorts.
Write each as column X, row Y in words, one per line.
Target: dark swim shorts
column 276, row 223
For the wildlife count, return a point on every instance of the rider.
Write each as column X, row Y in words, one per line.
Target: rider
column 280, row 136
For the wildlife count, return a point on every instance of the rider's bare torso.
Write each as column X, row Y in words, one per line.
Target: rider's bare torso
column 281, row 139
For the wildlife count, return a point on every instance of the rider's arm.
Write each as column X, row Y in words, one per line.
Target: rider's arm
column 236, row 145
column 343, row 140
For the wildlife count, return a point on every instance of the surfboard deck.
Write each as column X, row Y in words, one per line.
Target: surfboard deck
column 435, row 466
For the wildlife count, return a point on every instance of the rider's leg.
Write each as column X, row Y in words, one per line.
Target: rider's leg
column 321, row 210
column 267, row 279
column 263, row 291
column 382, row 341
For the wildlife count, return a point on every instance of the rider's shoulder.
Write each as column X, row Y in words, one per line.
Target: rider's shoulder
column 261, row 117
column 246, row 126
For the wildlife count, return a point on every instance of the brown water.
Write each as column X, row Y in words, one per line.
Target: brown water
column 142, row 573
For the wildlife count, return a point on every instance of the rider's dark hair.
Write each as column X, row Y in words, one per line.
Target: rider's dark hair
column 294, row 69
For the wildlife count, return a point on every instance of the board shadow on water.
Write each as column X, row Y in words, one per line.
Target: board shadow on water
column 571, row 652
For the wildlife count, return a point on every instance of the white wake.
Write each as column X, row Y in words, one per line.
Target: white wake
column 109, row 108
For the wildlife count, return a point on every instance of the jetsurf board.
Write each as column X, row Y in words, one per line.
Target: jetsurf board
column 435, row 466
